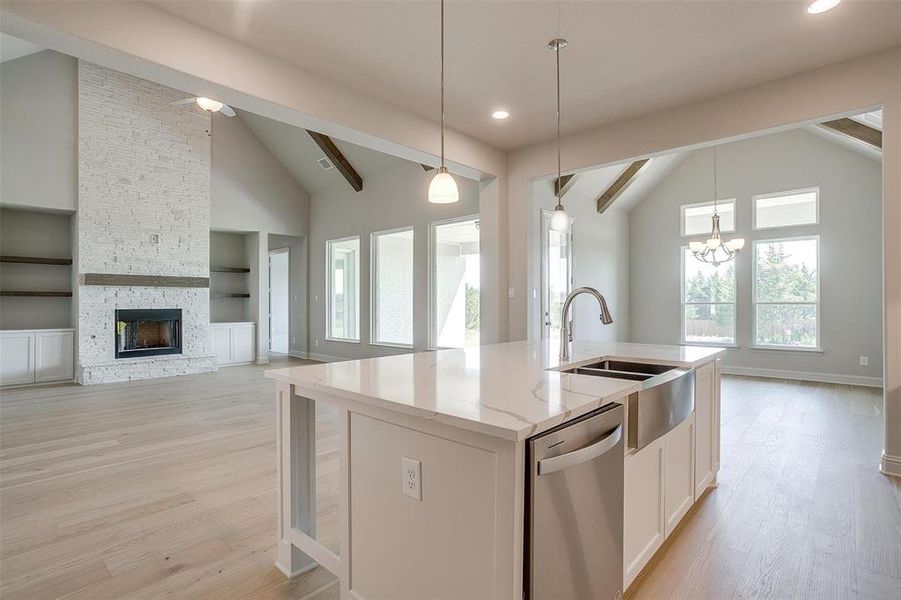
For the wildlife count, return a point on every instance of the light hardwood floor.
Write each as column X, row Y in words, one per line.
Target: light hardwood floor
column 166, row 488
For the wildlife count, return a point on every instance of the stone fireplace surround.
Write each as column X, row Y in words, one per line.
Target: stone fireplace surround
column 143, row 222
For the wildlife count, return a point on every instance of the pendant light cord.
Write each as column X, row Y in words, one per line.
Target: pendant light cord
column 715, row 193
column 559, row 186
column 442, row 84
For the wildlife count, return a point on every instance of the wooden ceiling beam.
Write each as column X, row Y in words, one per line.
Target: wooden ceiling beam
column 565, row 183
column 427, row 167
column 334, row 154
column 621, row 184
column 857, row 130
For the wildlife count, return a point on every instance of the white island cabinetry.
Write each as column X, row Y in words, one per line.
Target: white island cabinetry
column 459, row 421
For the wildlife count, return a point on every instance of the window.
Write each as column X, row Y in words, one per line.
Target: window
column 785, row 209
column 455, row 283
column 344, row 289
column 696, row 217
column 392, row 287
column 786, row 293
column 708, row 301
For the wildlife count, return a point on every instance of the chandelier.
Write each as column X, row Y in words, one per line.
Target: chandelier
column 716, row 250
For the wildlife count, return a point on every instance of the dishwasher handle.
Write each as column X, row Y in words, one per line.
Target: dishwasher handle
column 582, row 455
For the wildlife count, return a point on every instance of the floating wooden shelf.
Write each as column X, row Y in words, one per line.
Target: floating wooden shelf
column 24, row 294
column 219, row 295
column 229, row 269
column 35, row 260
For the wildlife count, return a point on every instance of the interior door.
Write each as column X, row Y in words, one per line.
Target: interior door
column 556, row 274
column 279, row 300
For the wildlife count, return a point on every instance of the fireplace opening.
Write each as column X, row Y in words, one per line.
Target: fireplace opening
column 148, row 332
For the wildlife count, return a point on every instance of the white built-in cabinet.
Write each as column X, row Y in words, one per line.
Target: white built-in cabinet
column 665, row 478
column 233, row 343
column 36, row 356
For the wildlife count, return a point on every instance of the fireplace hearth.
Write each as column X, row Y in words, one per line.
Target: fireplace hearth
column 148, row 332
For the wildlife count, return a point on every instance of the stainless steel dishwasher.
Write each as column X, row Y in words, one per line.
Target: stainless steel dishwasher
column 574, row 509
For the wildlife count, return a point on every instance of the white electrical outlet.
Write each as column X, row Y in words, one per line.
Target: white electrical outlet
column 316, row 343
column 412, row 478
column 511, row 292
column 864, row 361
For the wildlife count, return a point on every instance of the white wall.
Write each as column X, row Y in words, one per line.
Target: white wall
column 600, row 259
column 389, row 200
column 38, row 145
column 850, row 232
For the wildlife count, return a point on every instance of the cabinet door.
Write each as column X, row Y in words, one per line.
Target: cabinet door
column 679, row 489
column 243, row 342
column 16, row 358
column 705, row 428
column 221, row 344
column 643, row 518
column 53, row 355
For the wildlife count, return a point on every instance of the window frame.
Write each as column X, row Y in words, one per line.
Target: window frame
column 683, row 304
column 432, row 280
column 373, row 288
column 329, row 281
column 682, row 207
column 755, row 197
column 754, row 303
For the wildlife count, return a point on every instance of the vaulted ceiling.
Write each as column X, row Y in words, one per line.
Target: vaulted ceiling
column 625, row 58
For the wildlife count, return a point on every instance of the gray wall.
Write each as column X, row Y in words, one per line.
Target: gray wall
column 29, row 233
column 392, row 199
column 850, row 247
column 252, row 192
column 600, row 259
column 38, row 145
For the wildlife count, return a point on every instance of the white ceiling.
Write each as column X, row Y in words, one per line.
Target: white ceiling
column 296, row 150
column 625, row 58
column 12, row 48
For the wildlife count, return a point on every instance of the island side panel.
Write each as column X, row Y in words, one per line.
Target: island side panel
column 462, row 540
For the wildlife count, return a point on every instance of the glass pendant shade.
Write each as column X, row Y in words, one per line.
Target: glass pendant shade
column 443, row 189
column 736, row 244
column 210, row 105
column 559, row 220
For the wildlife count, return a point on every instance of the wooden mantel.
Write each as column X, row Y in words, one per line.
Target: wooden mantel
column 144, row 280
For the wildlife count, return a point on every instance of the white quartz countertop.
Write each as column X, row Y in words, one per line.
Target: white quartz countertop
column 508, row 390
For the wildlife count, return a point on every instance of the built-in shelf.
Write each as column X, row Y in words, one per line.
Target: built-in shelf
column 35, row 260
column 33, row 294
column 229, row 269
column 221, row 295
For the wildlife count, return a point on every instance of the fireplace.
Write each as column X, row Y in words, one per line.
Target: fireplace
column 148, row 332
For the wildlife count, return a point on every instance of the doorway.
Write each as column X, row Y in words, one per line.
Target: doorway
column 556, row 274
column 279, row 300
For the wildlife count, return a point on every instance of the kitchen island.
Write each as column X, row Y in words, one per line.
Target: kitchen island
column 432, row 462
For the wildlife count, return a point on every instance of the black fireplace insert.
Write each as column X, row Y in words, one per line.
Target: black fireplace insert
column 148, row 332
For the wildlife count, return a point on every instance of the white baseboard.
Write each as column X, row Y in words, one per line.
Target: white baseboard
column 804, row 376
column 324, row 357
column 890, row 465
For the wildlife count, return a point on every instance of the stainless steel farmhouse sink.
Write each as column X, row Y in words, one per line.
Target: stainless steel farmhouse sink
column 665, row 399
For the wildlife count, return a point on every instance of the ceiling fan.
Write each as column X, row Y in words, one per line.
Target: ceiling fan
column 209, row 105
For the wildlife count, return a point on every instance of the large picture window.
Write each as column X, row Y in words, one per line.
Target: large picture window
column 786, row 293
column 708, row 301
column 455, row 283
column 392, row 287
column 344, row 289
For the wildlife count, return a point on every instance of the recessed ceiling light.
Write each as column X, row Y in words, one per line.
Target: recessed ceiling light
column 820, row 6
column 500, row 115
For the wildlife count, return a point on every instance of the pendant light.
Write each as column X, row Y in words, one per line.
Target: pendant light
column 715, row 250
column 559, row 220
column 443, row 189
